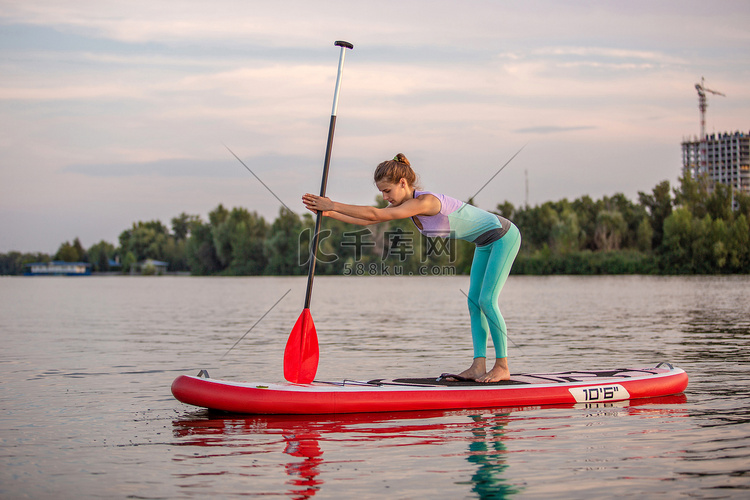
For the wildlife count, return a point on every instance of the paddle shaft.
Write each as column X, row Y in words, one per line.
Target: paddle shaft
column 326, row 165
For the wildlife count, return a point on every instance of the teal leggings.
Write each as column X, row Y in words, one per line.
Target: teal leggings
column 489, row 271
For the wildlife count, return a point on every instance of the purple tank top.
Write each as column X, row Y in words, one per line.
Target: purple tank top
column 460, row 220
column 438, row 224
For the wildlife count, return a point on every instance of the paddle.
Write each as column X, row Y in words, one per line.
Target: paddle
column 302, row 354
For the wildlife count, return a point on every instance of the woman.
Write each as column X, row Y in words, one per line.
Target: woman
column 497, row 240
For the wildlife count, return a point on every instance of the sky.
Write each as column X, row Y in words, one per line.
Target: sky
column 115, row 112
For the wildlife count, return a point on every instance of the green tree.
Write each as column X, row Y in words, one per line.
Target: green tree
column 719, row 202
column 659, row 207
column 644, row 235
column 145, row 240
column 200, row 251
column 175, row 252
column 693, row 195
column 586, row 211
column 218, row 215
column 99, row 256
column 704, row 246
column 719, row 232
column 239, row 241
column 183, row 225
column 128, row 261
column 506, row 209
column 71, row 252
column 536, row 225
column 10, row 264
column 282, row 246
column 677, row 241
column 566, row 232
column 14, row 263
column 738, row 245
column 610, row 230
column 742, row 201
column 632, row 215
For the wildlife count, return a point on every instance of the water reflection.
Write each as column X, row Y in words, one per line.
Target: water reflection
column 315, row 452
column 303, row 474
column 488, row 451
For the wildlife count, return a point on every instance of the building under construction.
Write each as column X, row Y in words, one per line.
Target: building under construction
column 723, row 158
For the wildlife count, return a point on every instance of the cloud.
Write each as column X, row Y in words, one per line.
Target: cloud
column 551, row 129
column 616, row 55
column 190, row 167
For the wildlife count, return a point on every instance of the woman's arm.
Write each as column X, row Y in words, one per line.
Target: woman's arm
column 346, row 218
column 424, row 205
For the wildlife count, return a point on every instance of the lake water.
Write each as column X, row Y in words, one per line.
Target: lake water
column 87, row 411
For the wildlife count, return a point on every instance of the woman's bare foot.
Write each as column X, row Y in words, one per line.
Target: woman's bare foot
column 499, row 372
column 477, row 369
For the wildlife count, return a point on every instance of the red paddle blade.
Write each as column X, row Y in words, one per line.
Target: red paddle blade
column 301, row 354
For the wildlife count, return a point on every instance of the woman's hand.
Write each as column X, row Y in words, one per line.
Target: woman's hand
column 317, row 203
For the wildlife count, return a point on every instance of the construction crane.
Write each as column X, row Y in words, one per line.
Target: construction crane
column 702, row 105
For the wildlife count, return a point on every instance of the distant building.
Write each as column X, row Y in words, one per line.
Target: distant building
column 58, row 268
column 724, row 158
column 150, row 266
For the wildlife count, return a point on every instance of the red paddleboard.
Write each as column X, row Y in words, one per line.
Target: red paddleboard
column 413, row 394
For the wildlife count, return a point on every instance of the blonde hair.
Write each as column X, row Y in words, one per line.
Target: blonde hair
column 396, row 169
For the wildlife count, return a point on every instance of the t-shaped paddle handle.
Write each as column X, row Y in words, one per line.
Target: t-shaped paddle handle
column 344, row 45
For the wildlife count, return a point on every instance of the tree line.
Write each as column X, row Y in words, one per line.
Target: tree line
column 695, row 228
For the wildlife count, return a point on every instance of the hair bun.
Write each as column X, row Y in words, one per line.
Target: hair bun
column 394, row 170
column 400, row 158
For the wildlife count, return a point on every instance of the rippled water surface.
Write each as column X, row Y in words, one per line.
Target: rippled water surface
column 87, row 412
